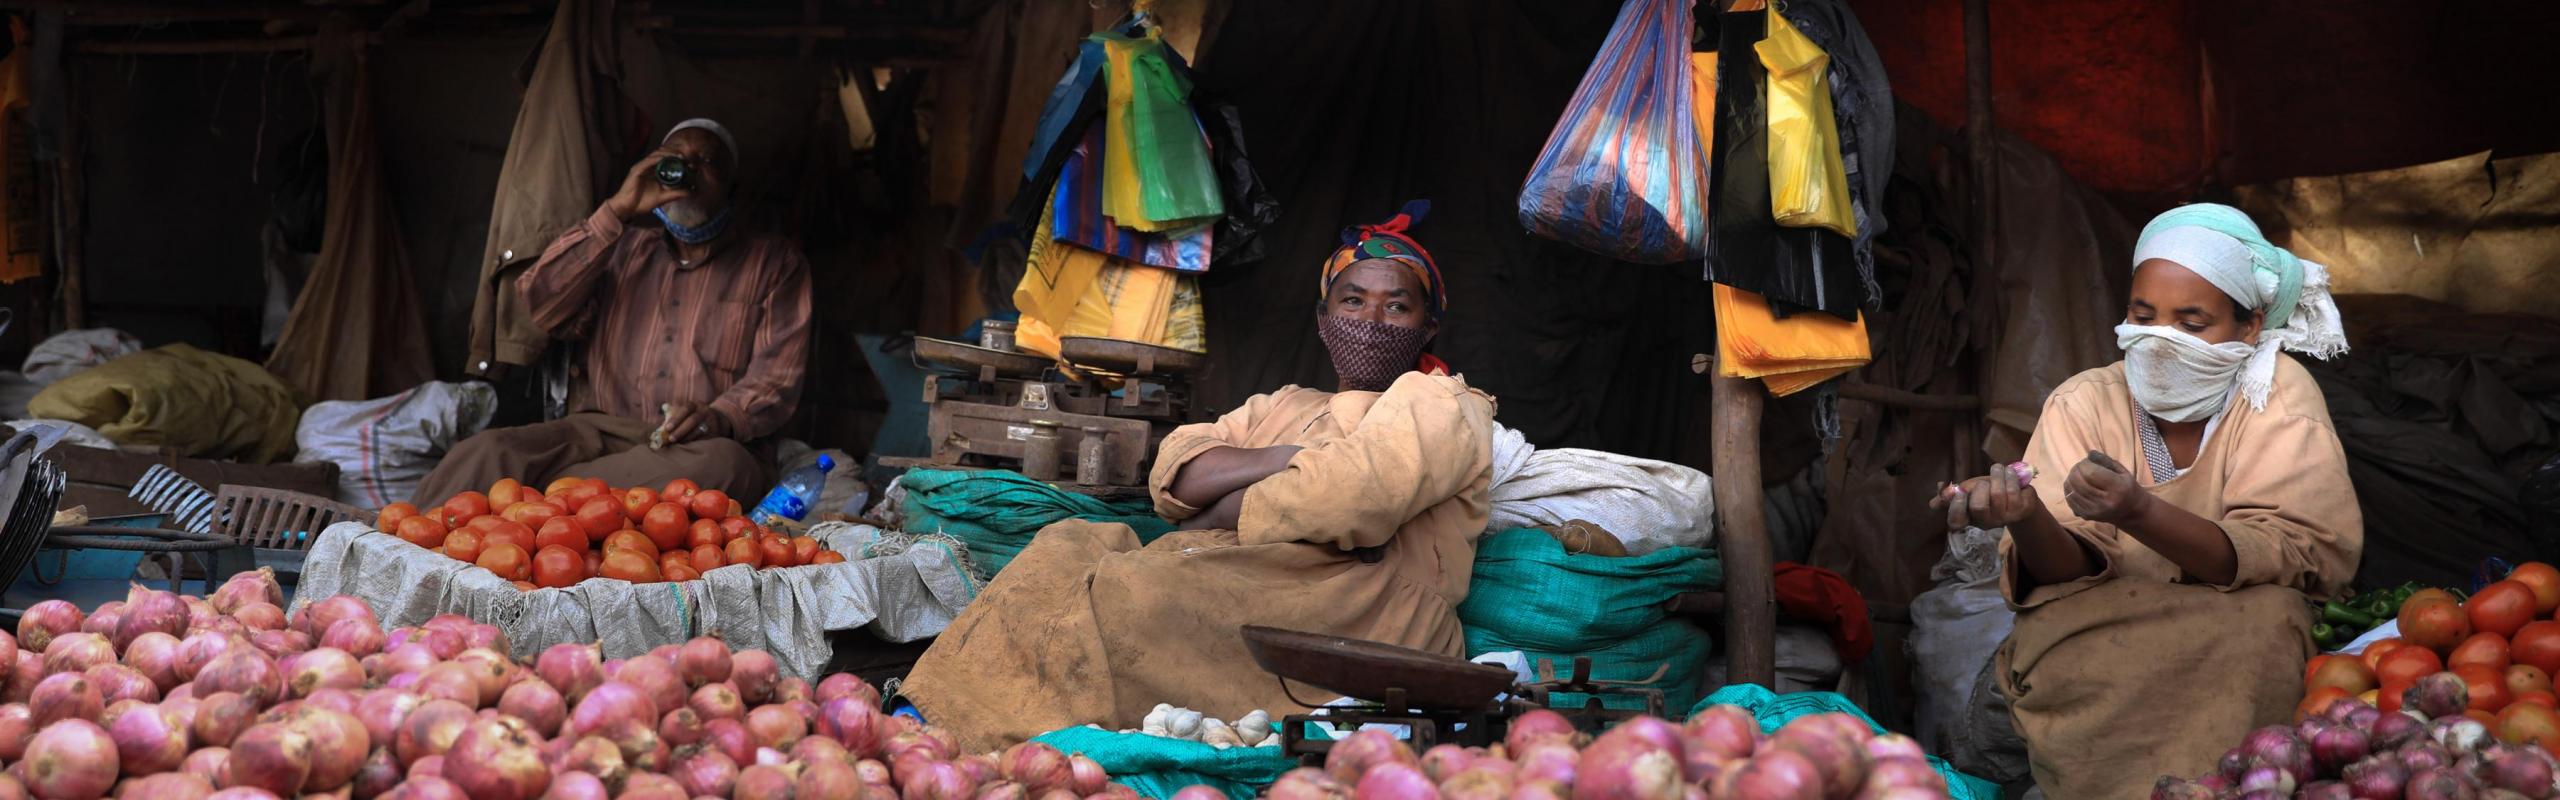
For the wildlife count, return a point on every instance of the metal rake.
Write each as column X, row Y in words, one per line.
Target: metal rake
column 189, row 506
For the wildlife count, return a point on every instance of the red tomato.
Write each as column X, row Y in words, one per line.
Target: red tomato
column 2538, row 644
column 422, row 531
column 736, row 525
column 2486, row 649
column 2545, row 583
column 2318, row 700
column 389, row 519
column 679, row 572
column 463, row 545
column 561, row 531
column 777, row 551
column 709, row 504
column 828, row 557
column 505, row 532
column 2524, row 679
column 804, row 548
column 744, row 551
column 2528, row 723
column 636, row 502
column 2501, row 608
column 2373, row 653
column 465, row 507
column 705, row 532
column 629, row 565
column 666, row 525
column 2488, row 688
column 2391, row 696
column 507, row 560
column 600, row 516
column 2345, row 674
column 679, row 490
column 2544, row 699
column 2406, row 665
column 707, row 557
column 633, row 541
column 556, row 566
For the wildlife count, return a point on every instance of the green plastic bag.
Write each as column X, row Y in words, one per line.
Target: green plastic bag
column 1775, row 710
column 1529, row 595
column 1157, row 767
column 1176, row 180
column 996, row 512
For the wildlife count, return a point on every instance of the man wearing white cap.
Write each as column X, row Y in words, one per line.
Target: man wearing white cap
column 693, row 335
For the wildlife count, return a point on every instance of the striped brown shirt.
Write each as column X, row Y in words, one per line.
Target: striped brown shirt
column 731, row 330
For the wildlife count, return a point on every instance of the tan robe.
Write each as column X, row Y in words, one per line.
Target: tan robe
column 1086, row 626
column 2141, row 671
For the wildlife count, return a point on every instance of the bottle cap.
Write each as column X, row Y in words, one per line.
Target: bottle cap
column 825, row 463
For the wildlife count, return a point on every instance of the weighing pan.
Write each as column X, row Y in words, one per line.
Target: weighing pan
column 1366, row 670
column 1124, row 357
column 949, row 356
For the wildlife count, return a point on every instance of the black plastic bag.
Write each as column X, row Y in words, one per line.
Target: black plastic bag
column 1795, row 268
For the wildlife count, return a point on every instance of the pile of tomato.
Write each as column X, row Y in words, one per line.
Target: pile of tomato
column 2503, row 643
column 580, row 528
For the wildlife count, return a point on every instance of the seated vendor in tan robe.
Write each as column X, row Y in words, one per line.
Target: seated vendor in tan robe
column 1352, row 513
column 687, row 327
column 2185, row 501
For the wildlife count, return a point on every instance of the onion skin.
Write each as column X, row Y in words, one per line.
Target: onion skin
column 1775, row 775
column 610, row 702
column 761, row 782
column 247, row 587
column 703, row 661
column 70, row 760
column 1478, row 783
column 731, row 738
column 428, row 788
column 718, row 701
column 1393, row 780
column 65, row 695
column 1038, row 767
column 872, row 772
column 1898, row 772
column 150, row 611
column 338, row 745
column 77, row 652
column 324, row 668
column 539, row 705
column 2436, row 784
column 41, row 622
column 1552, row 761
column 117, row 682
column 382, row 711
column 940, row 780
column 220, row 717
column 213, row 764
column 680, row 727
column 1539, row 724
column 243, row 793
column 430, row 730
column 2376, row 778
column 640, row 744
column 652, row 786
column 2518, row 770
column 1445, row 761
column 706, row 773
column 154, row 655
column 597, row 756
column 2439, row 695
column 1628, row 763
column 245, row 670
column 573, row 669
column 656, row 679
column 271, row 756
column 2390, row 731
column 380, row 774
column 814, row 749
column 755, row 673
column 498, row 760
column 147, row 741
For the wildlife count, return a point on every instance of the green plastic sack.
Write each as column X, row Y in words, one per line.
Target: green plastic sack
column 1775, row 710
column 1176, row 179
column 1157, row 767
column 996, row 512
column 1529, row 595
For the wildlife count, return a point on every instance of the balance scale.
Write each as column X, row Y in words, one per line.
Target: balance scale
column 1091, row 428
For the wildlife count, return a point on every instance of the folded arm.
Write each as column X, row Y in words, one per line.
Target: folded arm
column 1426, row 440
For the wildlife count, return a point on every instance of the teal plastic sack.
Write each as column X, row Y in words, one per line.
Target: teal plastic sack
column 1157, row 767
column 1775, row 710
column 996, row 512
column 1176, row 180
column 1529, row 595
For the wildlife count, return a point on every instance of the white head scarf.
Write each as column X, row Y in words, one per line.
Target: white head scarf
column 728, row 143
column 2291, row 295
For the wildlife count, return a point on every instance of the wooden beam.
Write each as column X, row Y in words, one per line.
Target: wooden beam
column 192, row 47
column 90, row 13
column 1983, row 149
column 1751, row 608
column 1887, row 396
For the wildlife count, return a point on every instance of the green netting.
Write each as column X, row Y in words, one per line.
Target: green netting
column 995, row 512
column 1530, row 595
column 1775, row 710
column 1157, row 767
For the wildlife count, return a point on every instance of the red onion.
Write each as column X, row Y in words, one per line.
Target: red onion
column 1303, row 783
column 243, row 793
column 656, row 679
column 1896, row 772
column 280, row 643
column 731, row 738
column 820, row 748
column 1538, row 725
column 789, row 689
column 597, row 756
column 155, row 656
column 641, row 747
column 409, row 658
column 1002, row 790
column 1551, row 761
column 489, row 671
column 981, row 769
column 1628, row 763
column 40, row 623
column 260, row 617
column 338, row 745
column 537, row 704
column 325, row 668
column 871, row 771
column 166, row 786
column 2519, row 770
column 245, row 588
column 24, row 675
column 151, row 611
column 1356, row 754
column 680, row 727
column 428, row 788
column 1542, row 790
column 220, row 717
column 1775, row 775
column 1727, row 732
column 1445, row 761
column 147, row 740
column 2339, row 746
column 571, row 668
column 382, row 711
column 608, row 703
column 827, row 780
column 16, row 724
column 103, row 619
column 67, row 695
column 430, row 729
column 1038, row 767
column 77, row 652
column 484, row 636
column 2436, row 784
column 706, row 773
column 2422, row 756
column 652, row 786
column 498, row 760
column 213, row 764
column 199, row 649
column 246, row 670
column 442, row 642
column 451, row 680
column 2376, row 778
column 777, row 727
column 755, row 673
column 316, row 618
column 859, row 726
column 272, row 756
column 939, row 780
column 1387, row 781
column 718, row 701
column 71, row 760
column 842, row 684
column 2439, row 695
column 704, row 660
column 381, row 773
column 577, row 786
column 1894, row 745
column 762, row 782
column 1477, row 783
column 357, row 637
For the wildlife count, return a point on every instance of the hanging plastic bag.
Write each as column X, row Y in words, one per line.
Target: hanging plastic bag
column 1066, row 106
column 1119, row 160
column 1623, row 174
column 1177, row 183
column 1078, row 218
column 1808, row 186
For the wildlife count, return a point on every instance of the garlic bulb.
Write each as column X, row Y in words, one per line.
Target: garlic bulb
column 1156, row 722
column 1216, row 734
column 1254, row 726
column 1271, row 741
column 1184, row 723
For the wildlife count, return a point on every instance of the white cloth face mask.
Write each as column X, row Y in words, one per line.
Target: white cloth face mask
column 2178, row 377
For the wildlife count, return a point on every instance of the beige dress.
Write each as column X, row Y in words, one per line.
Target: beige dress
column 2142, row 671
column 1086, row 626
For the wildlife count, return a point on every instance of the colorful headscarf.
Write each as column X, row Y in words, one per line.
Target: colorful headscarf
column 1387, row 240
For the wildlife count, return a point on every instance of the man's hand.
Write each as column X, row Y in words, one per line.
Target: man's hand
column 1996, row 500
column 690, row 421
column 641, row 192
column 2102, row 490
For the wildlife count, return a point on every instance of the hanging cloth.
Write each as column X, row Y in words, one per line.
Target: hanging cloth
column 1808, row 186
column 1789, row 355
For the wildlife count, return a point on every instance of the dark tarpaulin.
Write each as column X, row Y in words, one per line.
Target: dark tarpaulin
column 1360, row 107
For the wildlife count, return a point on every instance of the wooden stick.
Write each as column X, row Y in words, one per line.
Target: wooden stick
column 1983, row 149
column 1887, row 396
column 1751, row 609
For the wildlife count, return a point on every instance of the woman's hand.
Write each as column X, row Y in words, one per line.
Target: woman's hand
column 2101, row 490
column 1997, row 500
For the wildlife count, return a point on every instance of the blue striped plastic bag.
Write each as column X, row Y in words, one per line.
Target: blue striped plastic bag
column 1623, row 173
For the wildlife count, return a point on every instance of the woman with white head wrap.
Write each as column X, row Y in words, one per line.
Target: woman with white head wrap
column 2161, row 537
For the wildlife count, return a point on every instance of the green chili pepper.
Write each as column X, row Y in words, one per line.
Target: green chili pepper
column 2324, row 635
column 2343, row 616
column 2381, row 609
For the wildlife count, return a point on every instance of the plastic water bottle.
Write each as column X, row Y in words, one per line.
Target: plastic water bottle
column 791, row 499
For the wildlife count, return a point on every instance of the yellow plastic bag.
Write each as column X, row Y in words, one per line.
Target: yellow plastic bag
column 1068, row 290
column 1788, row 355
column 1808, row 186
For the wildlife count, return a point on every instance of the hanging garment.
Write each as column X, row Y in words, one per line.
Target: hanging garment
column 355, row 332
column 1077, row 218
column 1808, row 187
column 1620, row 173
column 1795, row 268
column 1789, row 355
column 1862, row 104
column 559, row 163
column 23, row 222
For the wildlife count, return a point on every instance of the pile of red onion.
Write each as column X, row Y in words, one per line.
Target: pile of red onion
column 2428, row 750
column 1719, row 754
column 163, row 697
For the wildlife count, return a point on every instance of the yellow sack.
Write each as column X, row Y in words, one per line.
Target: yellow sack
column 1808, row 187
column 1788, row 355
column 204, row 405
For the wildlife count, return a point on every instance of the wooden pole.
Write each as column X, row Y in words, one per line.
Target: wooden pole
column 1751, row 608
column 1982, row 148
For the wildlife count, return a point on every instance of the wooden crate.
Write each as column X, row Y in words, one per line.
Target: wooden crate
column 100, row 478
